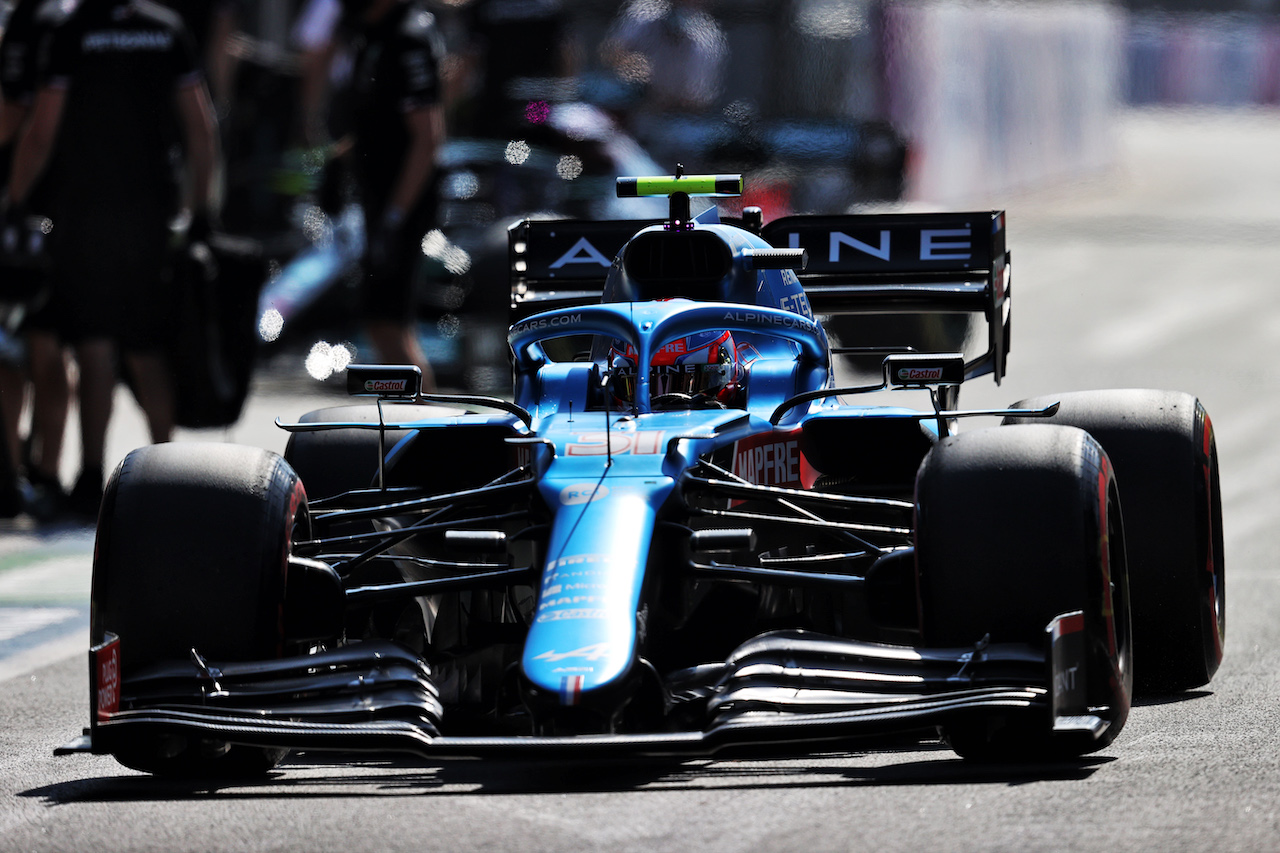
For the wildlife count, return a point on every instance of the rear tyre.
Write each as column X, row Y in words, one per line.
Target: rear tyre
column 1166, row 461
column 192, row 551
column 1014, row 527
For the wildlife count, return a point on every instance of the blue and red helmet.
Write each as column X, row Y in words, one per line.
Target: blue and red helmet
column 699, row 369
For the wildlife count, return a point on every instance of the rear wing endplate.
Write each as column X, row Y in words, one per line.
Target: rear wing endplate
column 558, row 263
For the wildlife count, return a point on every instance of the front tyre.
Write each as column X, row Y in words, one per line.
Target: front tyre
column 192, row 551
column 1016, row 526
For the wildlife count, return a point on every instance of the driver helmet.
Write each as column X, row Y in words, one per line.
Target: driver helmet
column 702, row 367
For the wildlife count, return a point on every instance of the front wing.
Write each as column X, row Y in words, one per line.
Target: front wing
column 784, row 688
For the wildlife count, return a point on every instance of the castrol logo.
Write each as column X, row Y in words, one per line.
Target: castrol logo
column 919, row 374
column 384, row 385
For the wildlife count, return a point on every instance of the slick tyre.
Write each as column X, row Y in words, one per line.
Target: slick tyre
column 1015, row 526
column 334, row 461
column 1162, row 447
column 192, row 552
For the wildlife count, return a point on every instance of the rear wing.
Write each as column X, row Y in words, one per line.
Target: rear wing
column 915, row 269
column 934, row 282
column 558, row 263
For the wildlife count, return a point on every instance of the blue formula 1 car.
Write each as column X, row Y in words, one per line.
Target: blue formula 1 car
column 680, row 536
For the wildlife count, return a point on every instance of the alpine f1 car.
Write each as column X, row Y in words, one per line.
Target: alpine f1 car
column 679, row 537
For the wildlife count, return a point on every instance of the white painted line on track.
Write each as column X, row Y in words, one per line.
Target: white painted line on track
column 29, row 660
column 57, row 580
column 44, row 598
column 16, row 621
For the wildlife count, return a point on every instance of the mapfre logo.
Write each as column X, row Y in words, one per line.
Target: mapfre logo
column 772, row 460
column 384, row 385
column 919, row 374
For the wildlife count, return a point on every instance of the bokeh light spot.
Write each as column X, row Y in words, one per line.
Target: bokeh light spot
column 461, row 185
column 537, row 112
column 326, row 359
column 569, row 167
column 342, row 355
column 434, row 243
column 319, row 363
column 517, row 152
column 455, row 258
column 448, row 326
column 315, row 225
column 270, row 325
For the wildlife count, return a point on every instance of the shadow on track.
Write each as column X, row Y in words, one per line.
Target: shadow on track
column 313, row 776
column 1170, row 698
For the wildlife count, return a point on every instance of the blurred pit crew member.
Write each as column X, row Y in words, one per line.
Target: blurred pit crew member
column 121, row 78
column 398, row 126
column 517, row 53
column 212, row 23
column 46, row 365
column 675, row 55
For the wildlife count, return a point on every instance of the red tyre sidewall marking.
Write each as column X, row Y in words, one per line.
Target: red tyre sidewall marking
column 1108, row 608
column 297, row 498
column 1207, row 445
column 1116, row 677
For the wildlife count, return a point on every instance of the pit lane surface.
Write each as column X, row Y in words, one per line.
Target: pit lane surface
column 1165, row 273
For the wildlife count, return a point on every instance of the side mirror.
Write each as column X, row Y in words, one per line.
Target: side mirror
column 384, row 380
column 920, row 370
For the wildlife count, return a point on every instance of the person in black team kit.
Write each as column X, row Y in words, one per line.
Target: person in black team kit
column 121, row 89
column 45, row 360
column 212, row 24
column 398, row 125
column 519, row 51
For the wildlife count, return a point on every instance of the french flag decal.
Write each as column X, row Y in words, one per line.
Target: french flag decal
column 571, row 689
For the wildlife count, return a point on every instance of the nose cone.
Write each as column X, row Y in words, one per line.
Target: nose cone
column 583, row 638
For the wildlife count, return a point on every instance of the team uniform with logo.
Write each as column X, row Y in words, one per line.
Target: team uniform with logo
column 17, row 54
column 198, row 17
column 28, row 22
column 397, row 71
column 114, row 172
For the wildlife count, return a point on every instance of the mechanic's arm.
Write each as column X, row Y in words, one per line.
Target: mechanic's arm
column 199, row 127
column 426, row 132
column 220, row 61
column 12, row 115
column 35, row 143
column 314, row 93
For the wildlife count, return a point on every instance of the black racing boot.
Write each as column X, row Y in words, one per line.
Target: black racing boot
column 86, row 495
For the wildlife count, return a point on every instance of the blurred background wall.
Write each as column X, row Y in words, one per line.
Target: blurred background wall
column 999, row 96
column 1202, row 58
column 989, row 96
